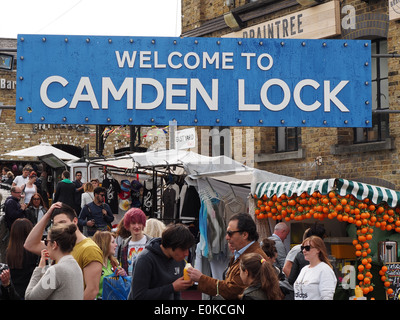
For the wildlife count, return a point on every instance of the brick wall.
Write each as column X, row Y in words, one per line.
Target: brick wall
column 369, row 163
column 17, row 136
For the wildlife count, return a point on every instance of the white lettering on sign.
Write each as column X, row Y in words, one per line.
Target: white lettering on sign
column 196, row 86
column 175, row 60
column 328, row 96
column 140, row 82
column 84, row 85
column 108, row 86
column 43, row 92
column 128, row 87
column 249, row 55
column 7, row 84
column 181, row 94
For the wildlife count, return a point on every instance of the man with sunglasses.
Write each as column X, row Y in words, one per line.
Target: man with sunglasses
column 242, row 236
column 96, row 215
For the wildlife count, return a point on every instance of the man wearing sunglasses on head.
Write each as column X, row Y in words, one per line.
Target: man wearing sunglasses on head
column 242, row 236
column 96, row 215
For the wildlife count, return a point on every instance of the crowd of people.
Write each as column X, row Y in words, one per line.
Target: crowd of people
column 66, row 251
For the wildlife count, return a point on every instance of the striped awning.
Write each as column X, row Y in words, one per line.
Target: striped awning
column 341, row 186
column 292, row 187
column 362, row 191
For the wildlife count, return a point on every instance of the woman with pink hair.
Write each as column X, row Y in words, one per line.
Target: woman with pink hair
column 134, row 222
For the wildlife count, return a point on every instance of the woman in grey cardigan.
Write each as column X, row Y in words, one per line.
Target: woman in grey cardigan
column 64, row 280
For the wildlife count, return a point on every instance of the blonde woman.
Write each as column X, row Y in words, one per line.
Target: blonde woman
column 154, row 228
column 316, row 281
column 106, row 242
column 87, row 196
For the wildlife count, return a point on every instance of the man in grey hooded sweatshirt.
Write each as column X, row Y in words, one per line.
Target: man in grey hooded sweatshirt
column 158, row 270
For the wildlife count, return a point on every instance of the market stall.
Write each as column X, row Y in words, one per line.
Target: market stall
column 223, row 186
column 51, row 157
column 185, row 168
column 371, row 212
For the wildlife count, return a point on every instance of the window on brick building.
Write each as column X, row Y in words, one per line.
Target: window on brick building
column 287, row 139
column 380, row 97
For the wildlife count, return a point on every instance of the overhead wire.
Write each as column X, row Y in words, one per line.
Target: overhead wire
column 60, row 16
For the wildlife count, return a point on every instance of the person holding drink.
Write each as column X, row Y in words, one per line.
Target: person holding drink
column 64, row 280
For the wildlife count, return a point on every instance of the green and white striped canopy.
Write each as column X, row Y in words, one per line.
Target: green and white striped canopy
column 363, row 191
column 341, row 186
column 292, row 187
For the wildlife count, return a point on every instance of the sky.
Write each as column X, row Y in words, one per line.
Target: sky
column 91, row 17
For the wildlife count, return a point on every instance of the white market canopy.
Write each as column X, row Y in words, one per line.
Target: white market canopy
column 193, row 164
column 196, row 166
column 152, row 159
column 42, row 150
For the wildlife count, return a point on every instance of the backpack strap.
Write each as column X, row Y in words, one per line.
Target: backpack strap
column 90, row 211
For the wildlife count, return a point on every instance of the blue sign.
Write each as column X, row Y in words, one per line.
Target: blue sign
column 195, row 81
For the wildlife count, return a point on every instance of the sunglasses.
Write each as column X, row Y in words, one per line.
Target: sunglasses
column 231, row 233
column 46, row 241
column 35, row 198
column 307, row 248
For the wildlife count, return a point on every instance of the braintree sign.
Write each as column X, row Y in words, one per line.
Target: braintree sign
column 195, row 81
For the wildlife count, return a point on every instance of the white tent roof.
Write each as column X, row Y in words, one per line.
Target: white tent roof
column 152, row 158
column 197, row 166
column 42, row 150
column 194, row 164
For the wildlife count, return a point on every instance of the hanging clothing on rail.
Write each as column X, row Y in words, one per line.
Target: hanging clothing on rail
column 147, row 197
column 212, row 225
column 170, row 199
column 190, row 203
column 113, row 189
column 233, row 204
column 136, row 186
